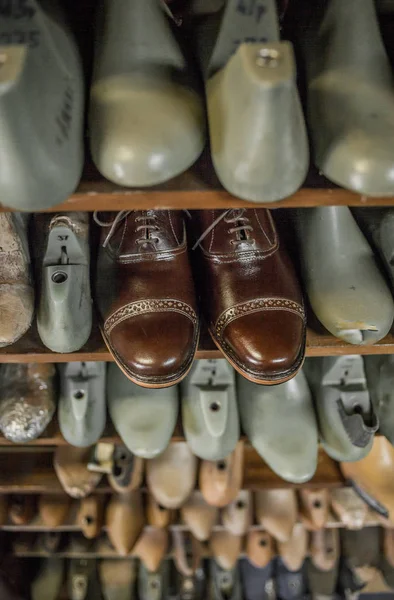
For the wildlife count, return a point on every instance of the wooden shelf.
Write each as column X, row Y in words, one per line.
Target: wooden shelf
column 319, row 343
column 199, row 188
column 27, row 543
column 29, row 470
column 52, row 437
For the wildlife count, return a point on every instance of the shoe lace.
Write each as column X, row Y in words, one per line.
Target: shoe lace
column 147, row 226
column 233, row 216
column 236, row 217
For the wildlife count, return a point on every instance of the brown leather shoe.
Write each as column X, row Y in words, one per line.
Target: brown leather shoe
column 146, row 298
column 251, row 298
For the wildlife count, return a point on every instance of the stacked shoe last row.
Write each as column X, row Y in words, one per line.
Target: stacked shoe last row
column 321, row 563
column 244, row 284
column 337, row 401
column 147, row 112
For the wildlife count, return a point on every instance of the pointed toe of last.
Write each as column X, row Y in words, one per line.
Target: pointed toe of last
column 363, row 163
column 144, row 132
column 281, row 425
column 144, row 418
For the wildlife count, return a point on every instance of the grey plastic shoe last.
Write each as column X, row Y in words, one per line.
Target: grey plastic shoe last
column 41, row 106
column 154, row 585
column 64, row 314
column 224, row 584
column 380, row 379
column 49, row 579
column 290, row 568
column 345, row 286
column 377, row 224
column 258, row 137
column 82, row 406
column 146, row 118
column 323, row 564
column 346, row 415
column 258, row 582
column 281, row 425
column 79, row 575
column 117, row 578
column 144, row 418
column 351, row 98
column 209, row 409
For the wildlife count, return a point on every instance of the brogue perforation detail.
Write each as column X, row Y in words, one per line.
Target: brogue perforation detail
column 252, row 306
column 141, row 307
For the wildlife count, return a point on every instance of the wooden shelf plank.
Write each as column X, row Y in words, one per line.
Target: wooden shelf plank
column 30, row 471
column 325, row 344
column 70, row 528
column 52, row 437
column 199, row 188
column 31, row 349
column 102, row 197
column 258, row 475
column 27, row 544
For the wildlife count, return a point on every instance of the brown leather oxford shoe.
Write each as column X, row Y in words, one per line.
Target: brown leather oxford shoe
column 250, row 295
column 146, row 298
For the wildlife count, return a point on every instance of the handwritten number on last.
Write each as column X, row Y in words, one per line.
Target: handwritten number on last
column 251, row 8
column 16, row 9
